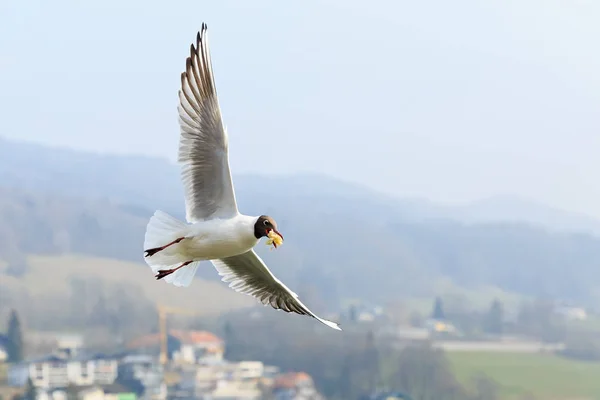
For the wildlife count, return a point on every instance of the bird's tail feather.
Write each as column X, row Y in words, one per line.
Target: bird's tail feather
column 161, row 230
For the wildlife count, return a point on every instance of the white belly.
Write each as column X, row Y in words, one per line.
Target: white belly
column 213, row 240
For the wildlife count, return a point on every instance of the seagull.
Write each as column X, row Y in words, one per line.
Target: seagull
column 215, row 230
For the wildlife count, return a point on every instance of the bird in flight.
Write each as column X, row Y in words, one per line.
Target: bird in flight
column 215, row 229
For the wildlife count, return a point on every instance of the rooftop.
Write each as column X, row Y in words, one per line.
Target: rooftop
column 292, row 379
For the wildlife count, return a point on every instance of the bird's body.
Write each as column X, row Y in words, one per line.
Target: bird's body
column 215, row 230
column 204, row 240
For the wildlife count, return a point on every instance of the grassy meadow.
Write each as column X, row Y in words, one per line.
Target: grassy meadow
column 545, row 376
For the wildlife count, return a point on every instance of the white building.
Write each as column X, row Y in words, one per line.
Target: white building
column 58, row 372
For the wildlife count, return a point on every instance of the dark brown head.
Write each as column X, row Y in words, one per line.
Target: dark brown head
column 265, row 224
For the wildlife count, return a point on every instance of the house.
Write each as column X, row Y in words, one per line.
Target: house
column 440, row 327
column 57, row 371
column 185, row 347
column 247, row 370
column 143, row 373
column 46, row 372
column 295, row 386
column 205, row 378
column 224, row 380
column 239, row 390
column 572, row 313
column 198, row 347
column 96, row 369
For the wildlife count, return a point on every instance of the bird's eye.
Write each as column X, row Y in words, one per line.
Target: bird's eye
column 266, row 222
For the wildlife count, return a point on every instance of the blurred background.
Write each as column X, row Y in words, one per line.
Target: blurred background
column 432, row 165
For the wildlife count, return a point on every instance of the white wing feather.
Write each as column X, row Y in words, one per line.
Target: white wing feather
column 203, row 148
column 247, row 273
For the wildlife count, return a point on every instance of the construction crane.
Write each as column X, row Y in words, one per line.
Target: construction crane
column 163, row 311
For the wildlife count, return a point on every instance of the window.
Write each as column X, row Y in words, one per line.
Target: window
column 84, row 369
column 39, row 371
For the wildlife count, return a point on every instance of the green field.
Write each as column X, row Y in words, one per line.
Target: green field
column 547, row 377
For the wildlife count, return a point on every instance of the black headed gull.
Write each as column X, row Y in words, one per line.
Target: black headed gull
column 216, row 230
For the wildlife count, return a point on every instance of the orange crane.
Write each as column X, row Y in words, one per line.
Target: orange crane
column 163, row 311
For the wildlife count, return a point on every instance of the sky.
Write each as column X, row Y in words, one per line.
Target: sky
column 452, row 101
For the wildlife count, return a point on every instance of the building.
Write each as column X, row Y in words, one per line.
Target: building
column 185, row 347
column 198, row 347
column 295, row 386
column 145, row 374
column 247, row 370
column 572, row 313
column 57, row 371
column 440, row 327
column 97, row 369
column 46, row 372
column 239, row 380
column 236, row 389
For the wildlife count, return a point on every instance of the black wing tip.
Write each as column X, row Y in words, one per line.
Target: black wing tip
column 200, row 37
column 201, row 34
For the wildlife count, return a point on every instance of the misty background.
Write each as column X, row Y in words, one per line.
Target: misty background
column 429, row 163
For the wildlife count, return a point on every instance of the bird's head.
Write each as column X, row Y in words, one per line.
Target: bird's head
column 266, row 226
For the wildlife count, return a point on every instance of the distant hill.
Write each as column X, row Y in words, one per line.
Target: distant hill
column 154, row 183
column 47, row 286
column 518, row 210
column 342, row 240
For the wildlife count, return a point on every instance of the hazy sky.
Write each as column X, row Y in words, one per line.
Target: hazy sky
column 453, row 101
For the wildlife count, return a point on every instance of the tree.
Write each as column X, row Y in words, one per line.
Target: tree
column 352, row 313
column 30, row 391
column 230, row 339
column 371, row 363
column 15, row 338
column 538, row 319
column 72, row 392
column 494, row 319
column 438, row 309
column 425, row 374
column 485, row 388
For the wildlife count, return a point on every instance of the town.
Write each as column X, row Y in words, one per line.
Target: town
column 180, row 364
column 183, row 363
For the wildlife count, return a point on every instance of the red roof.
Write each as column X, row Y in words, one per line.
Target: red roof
column 291, row 379
column 196, row 337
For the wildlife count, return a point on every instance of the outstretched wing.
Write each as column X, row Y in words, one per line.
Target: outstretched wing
column 203, row 149
column 247, row 273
